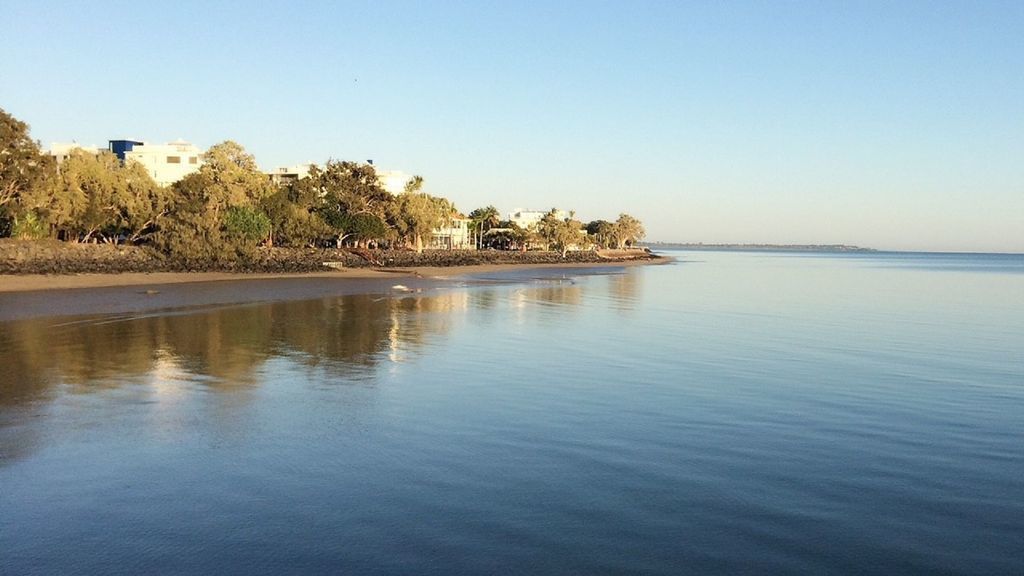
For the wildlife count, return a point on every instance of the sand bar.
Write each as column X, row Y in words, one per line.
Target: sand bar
column 31, row 296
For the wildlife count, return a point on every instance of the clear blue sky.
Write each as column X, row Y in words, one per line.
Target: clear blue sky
column 897, row 125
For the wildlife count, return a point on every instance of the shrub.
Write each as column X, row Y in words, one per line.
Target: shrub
column 247, row 225
column 29, row 227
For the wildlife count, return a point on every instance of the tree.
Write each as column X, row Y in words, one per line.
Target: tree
column 603, row 233
column 361, row 229
column 21, row 163
column 561, row 233
column 23, row 169
column 95, row 195
column 416, row 214
column 351, row 187
column 294, row 221
column 483, row 219
column 247, row 225
column 345, row 190
column 192, row 232
column 140, row 203
column 83, row 200
column 234, row 178
column 508, row 235
column 415, row 184
column 296, row 212
column 216, row 211
column 628, row 230
column 522, row 237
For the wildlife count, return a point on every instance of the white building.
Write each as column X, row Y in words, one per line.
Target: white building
column 286, row 174
column 62, row 150
column 166, row 163
column 393, row 181
column 526, row 218
column 454, row 235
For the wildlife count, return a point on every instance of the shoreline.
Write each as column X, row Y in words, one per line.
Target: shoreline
column 57, row 259
column 37, row 296
column 45, row 282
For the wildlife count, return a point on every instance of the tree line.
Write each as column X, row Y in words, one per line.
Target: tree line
column 229, row 207
column 554, row 231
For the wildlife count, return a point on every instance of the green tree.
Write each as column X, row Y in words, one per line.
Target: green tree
column 628, row 230
column 197, row 230
column 361, row 229
column 140, row 204
column 416, row 214
column 561, row 233
column 603, row 233
column 192, row 233
column 247, row 225
column 508, row 235
column 234, row 178
column 351, row 188
column 294, row 222
column 522, row 237
column 84, row 199
column 23, row 170
column 482, row 220
column 345, row 190
column 94, row 196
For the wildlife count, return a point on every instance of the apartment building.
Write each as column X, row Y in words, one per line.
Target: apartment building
column 285, row 174
column 166, row 163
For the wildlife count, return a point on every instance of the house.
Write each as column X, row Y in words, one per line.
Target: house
column 526, row 218
column 453, row 235
column 166, row 163
column 287, row 174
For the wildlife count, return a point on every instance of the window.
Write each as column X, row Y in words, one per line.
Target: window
column 193, row 160
column 174, row 159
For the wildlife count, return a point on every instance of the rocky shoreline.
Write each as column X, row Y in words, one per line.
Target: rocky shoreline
column 52, row 257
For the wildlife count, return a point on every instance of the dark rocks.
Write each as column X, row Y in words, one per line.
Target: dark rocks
column 54, row 257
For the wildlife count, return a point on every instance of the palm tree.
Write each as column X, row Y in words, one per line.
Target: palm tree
column 415, row 184
column 484, row 219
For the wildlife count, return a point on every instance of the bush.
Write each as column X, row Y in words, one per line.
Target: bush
column 247, row 225
column 192, row 242
column 29, row 227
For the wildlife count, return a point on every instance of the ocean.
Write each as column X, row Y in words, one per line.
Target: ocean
column 727, row 413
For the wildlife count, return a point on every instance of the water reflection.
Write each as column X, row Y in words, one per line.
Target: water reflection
column 168, row 360
column 562, row 293
column 226, row 347
column 624, row 290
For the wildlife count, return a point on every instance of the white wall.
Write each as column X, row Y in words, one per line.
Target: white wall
column 526, row 218
column 393, row 181
column 61, row 150
column 167, row 163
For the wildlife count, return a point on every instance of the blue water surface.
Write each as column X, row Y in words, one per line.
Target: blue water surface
column 728, row 413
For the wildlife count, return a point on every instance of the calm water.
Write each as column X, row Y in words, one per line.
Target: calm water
column 731, row 413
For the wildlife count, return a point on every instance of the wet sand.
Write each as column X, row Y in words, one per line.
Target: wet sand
column 39, row 295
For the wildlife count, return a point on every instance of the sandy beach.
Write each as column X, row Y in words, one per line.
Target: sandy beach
column 36, row 282
column 26, row 296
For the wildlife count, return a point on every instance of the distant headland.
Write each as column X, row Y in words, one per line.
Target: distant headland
column 759, row 247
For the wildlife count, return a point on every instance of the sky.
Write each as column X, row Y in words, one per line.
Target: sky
column 893, row 125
